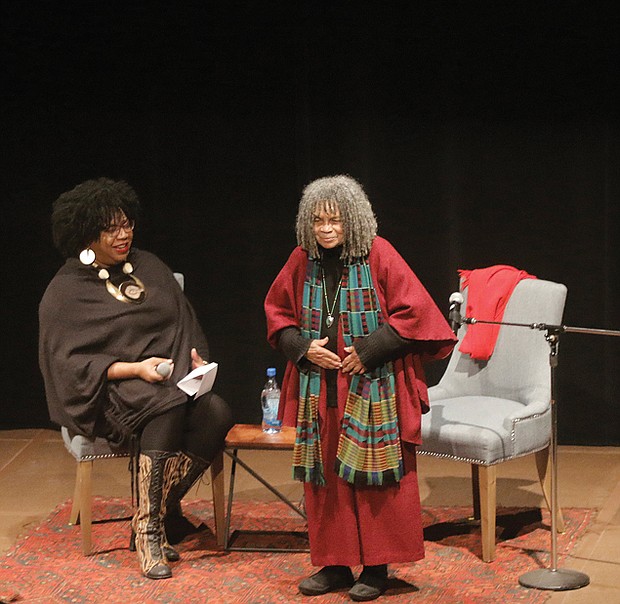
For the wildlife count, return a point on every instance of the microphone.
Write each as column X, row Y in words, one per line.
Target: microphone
column 454, row 314
column 164, row 369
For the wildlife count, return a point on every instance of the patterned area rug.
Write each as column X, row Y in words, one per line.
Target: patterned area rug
column 47, row 566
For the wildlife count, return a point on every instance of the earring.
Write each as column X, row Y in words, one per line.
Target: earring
column 87, row 256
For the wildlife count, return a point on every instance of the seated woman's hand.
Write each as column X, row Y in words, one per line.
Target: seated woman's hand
column 321, row 356
column 147, row 369
column 197, row 360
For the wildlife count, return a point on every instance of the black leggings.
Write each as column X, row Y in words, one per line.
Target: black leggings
column 198, row 427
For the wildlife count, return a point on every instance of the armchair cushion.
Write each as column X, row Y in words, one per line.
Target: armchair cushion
column 84, row 448
column 484, row 429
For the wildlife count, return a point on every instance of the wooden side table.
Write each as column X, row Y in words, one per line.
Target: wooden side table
column 250, row 437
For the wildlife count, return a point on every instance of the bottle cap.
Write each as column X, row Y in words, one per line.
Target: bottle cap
column 271, row 372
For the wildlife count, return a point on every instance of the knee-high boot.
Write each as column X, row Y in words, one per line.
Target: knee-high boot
column 156, row 469
column 190, row 468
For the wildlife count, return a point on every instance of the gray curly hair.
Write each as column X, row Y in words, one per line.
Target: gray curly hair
column 331, row 194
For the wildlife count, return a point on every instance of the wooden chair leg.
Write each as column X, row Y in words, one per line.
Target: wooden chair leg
column 543, row 460
column 81, row 509
column 74, row 517
column 488, row 501
column 475, row 491
column 217, row 485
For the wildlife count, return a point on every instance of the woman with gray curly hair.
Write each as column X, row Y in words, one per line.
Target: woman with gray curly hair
column 355, row 324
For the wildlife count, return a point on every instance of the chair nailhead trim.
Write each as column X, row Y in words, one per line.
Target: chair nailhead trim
column 476, row 461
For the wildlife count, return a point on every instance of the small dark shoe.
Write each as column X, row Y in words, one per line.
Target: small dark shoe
column 371, row 584
column 327, row 579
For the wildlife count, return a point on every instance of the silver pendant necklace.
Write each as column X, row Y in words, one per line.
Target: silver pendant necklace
column 330, row 312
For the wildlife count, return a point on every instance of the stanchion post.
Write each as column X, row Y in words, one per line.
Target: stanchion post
column 554, row 578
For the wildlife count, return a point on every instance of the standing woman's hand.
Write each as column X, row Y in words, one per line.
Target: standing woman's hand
column 352, row 363
column 321, row 356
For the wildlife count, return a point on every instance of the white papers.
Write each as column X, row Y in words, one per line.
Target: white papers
column 199, row 381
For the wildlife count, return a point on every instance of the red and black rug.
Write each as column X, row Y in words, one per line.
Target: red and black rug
column 46, row 564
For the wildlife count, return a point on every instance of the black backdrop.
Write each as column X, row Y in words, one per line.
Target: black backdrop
column 484, row 133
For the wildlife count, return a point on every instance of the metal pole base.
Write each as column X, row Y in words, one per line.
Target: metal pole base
column 558, row 580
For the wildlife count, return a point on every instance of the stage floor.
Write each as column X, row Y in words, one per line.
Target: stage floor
column 36, row 474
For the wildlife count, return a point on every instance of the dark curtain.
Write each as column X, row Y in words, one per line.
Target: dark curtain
column 484, row 133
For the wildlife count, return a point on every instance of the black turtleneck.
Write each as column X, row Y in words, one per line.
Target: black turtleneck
column 332, row 266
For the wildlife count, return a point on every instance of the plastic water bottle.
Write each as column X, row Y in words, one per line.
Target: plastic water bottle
column 270, row 401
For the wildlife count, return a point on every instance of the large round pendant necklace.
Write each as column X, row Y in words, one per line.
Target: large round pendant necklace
column 130, row 291
column 330, row 312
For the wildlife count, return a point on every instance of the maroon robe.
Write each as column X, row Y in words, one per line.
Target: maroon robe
column 353, row 524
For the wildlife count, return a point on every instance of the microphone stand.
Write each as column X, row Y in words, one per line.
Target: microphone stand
column 552, row 578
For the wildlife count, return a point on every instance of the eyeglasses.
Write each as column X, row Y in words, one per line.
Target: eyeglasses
column 114, row 230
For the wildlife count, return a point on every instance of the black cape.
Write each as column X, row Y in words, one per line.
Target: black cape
column 83, row 330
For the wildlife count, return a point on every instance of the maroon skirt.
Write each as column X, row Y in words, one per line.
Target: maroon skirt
column 354, row 525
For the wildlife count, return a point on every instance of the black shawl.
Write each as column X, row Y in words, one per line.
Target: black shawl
column 83, row 330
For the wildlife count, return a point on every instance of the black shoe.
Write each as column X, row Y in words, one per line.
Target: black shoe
column 327, row 579
column 371, row 584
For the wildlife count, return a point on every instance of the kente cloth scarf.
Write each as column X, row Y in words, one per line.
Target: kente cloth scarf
column 369, row 449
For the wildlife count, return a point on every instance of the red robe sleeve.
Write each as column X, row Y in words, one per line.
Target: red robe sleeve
column 283, row 300
column 406, row 303
column 412, row 312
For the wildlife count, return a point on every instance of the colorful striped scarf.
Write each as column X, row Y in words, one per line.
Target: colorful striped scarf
column 369, row 449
